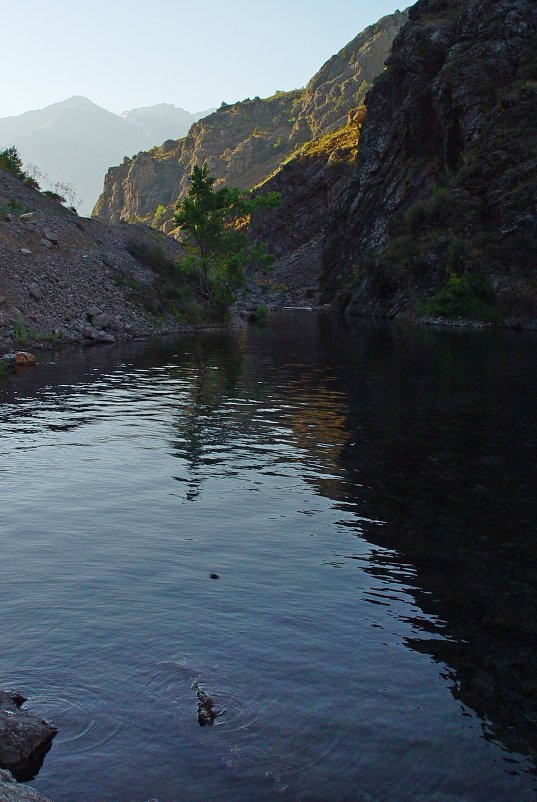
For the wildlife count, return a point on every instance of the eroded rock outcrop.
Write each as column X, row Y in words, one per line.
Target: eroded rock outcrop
column 440, row 216
column 24, row 739
column 243, row 143
column 309, row 184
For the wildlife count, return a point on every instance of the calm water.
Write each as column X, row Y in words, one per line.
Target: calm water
column 367, row 498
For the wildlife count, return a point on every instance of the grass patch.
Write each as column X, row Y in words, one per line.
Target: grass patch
column 11, row 207
column 24, row 337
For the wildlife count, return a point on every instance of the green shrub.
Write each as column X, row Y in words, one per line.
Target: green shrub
column 55, row 196
column 261, row 312
column 11, row 162
column 466, row 296
column 150, row 255
column 11, row 207
column 20, row 333
column 158, row 219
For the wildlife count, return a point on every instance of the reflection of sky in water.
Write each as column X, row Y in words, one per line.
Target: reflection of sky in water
column 330, row 480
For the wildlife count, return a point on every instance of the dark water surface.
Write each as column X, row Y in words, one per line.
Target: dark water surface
column 367, row 498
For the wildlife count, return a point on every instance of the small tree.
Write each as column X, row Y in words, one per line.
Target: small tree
column 11, row 162
column 213, row 223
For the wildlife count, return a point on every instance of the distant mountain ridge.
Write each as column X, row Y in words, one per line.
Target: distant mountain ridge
column 75, row 141
column 163, row 120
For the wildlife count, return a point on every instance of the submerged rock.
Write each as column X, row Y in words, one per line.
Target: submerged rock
column 24, row 739
column 206, row 711
column 11, row 791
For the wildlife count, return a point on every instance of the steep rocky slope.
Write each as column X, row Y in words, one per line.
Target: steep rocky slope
column 240, row 143
column 439, row 218
column 309, row 184
column 70, row 279
column 245, row 142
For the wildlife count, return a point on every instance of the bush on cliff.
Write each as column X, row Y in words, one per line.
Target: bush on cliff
column 11, row 162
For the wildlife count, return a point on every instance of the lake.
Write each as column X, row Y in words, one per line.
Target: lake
column 366, row 496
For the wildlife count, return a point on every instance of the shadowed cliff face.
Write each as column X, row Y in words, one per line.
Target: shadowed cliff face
column 244, row 143
column 446, row 178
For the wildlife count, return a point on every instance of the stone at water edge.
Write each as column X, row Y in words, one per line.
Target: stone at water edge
column 102, row 337
column 103, row 321
column 24, row 739
column 19, row 358
column 249, row 315
column 25, row 358
column 11, row 791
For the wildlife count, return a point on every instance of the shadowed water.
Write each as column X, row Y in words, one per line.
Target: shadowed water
column 367, row 500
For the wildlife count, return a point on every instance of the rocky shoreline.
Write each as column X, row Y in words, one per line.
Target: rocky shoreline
column 25, row 739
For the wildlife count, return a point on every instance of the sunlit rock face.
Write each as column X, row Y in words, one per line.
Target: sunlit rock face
column 446, row 180
column 245, row 142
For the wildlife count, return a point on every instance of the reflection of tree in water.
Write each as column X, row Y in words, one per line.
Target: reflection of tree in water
column 212, row 370
column 444, row 436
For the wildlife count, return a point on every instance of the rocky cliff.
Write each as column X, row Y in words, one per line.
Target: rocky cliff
column 309, row 184
column 245, row 142
column 439, row 218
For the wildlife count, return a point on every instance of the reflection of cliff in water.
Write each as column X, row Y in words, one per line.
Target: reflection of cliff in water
column 444, row 427
column 431, row 432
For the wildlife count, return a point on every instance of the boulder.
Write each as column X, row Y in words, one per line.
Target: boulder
column 26, row 251
column 51, row 236
column 102, row 337
column 24, row 358
column 24, row 739
column 11, row 791
column 46, row 243
column 27, row 217
column 35, row 291
column 93, row 311
column 19, row 358
column 104, row 321
column 249, row 315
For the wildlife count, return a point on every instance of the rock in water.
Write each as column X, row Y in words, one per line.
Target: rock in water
column 11, row 791
column 24, row 739
column 206, row 712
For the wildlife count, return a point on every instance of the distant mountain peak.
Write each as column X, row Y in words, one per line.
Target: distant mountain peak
column 54, row 137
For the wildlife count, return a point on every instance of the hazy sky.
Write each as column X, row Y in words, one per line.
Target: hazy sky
column 193, row 53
